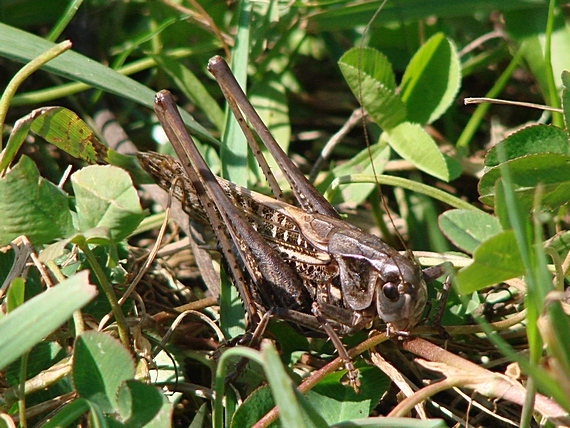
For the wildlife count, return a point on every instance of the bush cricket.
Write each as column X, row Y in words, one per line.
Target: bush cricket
column 304, row 264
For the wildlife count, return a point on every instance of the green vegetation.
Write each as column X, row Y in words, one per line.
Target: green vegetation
column 484, row 187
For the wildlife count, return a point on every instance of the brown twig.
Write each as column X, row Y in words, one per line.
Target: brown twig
column 462, row 372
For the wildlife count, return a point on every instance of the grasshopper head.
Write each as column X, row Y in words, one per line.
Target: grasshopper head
column 401, row 293
column 371, row 270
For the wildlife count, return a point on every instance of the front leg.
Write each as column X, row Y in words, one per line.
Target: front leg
column 433, row 272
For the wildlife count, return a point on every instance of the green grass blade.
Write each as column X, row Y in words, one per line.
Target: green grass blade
column 28, row 324
column 234, row 163
column 22, row 46
column 282, row 388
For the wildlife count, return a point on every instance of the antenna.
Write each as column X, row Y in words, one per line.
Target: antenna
column 367, row 137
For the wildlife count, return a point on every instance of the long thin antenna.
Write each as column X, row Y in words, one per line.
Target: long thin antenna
column 360, row 95
column 367, row 137
column 363, row 117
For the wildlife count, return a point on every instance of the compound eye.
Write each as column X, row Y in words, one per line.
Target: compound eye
column 390, row 290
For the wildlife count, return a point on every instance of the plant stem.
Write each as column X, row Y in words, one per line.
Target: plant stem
column 24, row 73
column 399, row 182
column 22, row 391
column 108, row 290
column 476, row 118
column 77, row 315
